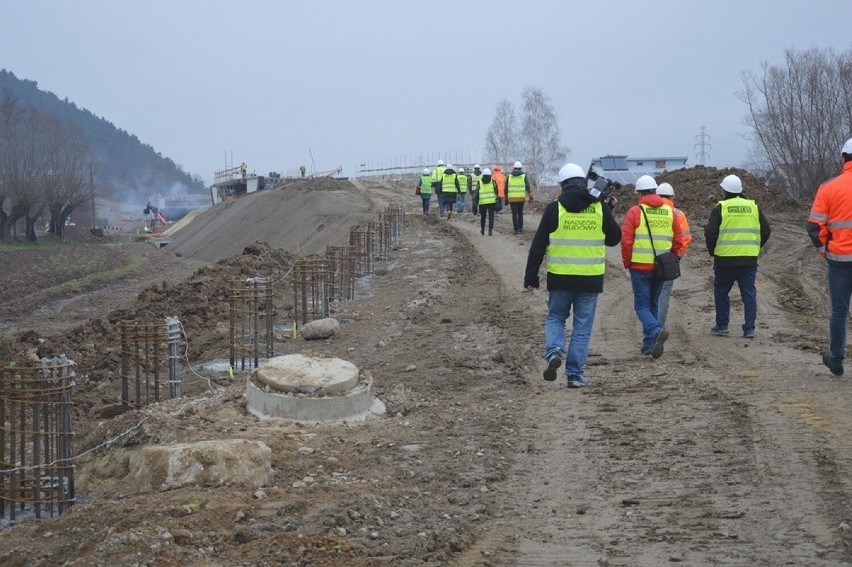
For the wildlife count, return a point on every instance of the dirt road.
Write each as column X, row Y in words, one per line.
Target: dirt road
column 724, row 451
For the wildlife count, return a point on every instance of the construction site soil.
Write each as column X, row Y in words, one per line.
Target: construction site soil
column 723, row 451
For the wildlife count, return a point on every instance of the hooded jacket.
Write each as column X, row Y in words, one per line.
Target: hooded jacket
column 574, row 199
column 632, row 220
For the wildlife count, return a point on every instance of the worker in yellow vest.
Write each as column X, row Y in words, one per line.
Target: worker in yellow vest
column 424, row 187
column 734, row 235
column 464, row 187
column 517, row 192
column 574, row 232
column 475, row 180
column 485, row 199
column 649, row 229
column 437, row 177
column 449, row 190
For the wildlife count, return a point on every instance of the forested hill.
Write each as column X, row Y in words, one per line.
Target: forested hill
column 126, row 168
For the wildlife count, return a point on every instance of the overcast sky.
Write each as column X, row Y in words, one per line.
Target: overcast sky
column 210, row 83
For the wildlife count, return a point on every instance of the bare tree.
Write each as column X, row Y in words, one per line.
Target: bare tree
column 42, row 163
column 800, row 114
column 541, row 143
column 500, row 141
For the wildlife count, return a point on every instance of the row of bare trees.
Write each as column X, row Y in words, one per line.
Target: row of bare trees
column 534, row 138
column 44, row 170
column 800, row 114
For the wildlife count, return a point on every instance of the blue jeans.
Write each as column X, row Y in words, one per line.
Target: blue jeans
column 426, row 199
column 663, row 301
column 840, row 290
column 723, row 281
column 460, row 203
column 646, row 293
column 559, row 304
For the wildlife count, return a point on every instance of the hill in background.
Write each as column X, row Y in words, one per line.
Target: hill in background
column 126, row 168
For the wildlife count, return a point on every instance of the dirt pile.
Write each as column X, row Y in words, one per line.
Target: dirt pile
column 302, row 215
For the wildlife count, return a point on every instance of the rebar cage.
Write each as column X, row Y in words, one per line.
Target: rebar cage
column 250, row 322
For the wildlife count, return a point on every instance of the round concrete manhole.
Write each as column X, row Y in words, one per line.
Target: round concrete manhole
column 311, row 389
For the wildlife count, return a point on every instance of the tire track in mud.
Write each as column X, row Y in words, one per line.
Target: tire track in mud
column 684, row 459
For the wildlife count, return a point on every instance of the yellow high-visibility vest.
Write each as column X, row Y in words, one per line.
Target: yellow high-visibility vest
column 739, row 232
column 577, row 246
column 660, row 221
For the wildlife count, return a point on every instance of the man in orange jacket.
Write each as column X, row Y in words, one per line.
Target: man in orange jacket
column 500, row 178
column 830, row 228
column 666, row 191
column 649, row 228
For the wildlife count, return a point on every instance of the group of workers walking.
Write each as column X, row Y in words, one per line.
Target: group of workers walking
column 575, row 230
column 489, row 192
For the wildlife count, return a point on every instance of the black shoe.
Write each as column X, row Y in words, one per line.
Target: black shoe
column 748, row 334
column 490, row 232
column 657, row 347
column 553, row 364
column 719, row 330
column 646, row 350
column 835, row 367
column 482, row 231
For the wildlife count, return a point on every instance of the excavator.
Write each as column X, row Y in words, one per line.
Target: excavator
column 155, row 220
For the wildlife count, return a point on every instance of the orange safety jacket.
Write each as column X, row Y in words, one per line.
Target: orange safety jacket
column 498, row 176
column 680, row 220
column 830, row 221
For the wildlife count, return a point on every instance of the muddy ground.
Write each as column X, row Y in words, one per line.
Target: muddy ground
column 724, row 451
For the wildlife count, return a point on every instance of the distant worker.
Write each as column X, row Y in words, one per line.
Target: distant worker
column 517, row 192
column 424, row 185
column 485, row 199
column 649, row 228
column 666, row 191
column 574, row 232
column 302, row 169
column 243, row 169
column 830, row 230
column 464, row 187
column 437, row 176
column 735, row 233
column 449, row 190
column 500, row 179
column 475, row 180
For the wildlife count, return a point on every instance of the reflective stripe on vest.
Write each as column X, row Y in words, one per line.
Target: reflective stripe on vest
column 426, row 184
column 448, row 183
column 660, row 220
column 517, row 186
column 739, row 232
column 577, row 247
column 487, row 196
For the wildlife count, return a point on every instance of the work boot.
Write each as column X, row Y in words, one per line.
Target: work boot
column 836, row 368
column 553, row 364
column 482, row 231
column 719, row 330
column 657, row 347
column 576, row 382
column 490, row 232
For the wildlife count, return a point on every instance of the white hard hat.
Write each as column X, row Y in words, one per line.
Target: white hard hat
column 425, row 171
column 569, row 171
column 477, row 166
column 732, row 184
column 486, row 171
column 645, row 183
column 440, row 162
column 665, row 189
column 461, row 170
column 518, row 165
column 847, row 147
column 450, row 166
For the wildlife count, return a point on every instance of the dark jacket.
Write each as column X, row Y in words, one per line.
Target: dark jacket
column 574, row 199
column 711, row 236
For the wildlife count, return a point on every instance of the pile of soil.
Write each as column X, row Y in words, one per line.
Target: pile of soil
column 303, row 215
column 697, row 191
